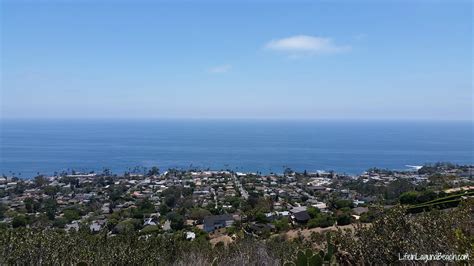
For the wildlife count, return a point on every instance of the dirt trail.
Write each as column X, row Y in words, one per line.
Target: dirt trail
column 306, row 233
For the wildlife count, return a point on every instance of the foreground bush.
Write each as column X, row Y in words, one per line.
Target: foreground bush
column 397, row 233
column 391, row 234
column 53, row 247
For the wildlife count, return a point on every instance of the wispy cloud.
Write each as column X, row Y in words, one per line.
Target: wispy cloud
column 360, row 36
column 305, row 45
column 220, row 69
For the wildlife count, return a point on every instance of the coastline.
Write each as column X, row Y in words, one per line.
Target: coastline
column 351, row 147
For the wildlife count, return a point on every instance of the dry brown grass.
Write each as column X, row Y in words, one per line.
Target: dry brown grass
column 306, row 233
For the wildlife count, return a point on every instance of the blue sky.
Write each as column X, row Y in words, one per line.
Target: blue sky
column 151, row 59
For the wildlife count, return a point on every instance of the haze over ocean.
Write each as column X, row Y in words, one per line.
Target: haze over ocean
column 45, row 146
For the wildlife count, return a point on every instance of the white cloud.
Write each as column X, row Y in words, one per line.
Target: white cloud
column 220, row 69
column 304, row 45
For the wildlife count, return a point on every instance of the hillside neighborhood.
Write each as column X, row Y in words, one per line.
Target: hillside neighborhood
column 211, row 204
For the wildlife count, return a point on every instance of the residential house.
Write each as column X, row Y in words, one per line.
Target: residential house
column 214, row 222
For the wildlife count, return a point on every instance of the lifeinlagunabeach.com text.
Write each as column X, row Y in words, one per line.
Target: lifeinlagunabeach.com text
column 433, row 257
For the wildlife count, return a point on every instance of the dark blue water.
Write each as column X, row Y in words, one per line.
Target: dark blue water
column 46, row 146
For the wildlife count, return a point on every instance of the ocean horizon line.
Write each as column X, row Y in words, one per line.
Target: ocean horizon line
column 285, row 119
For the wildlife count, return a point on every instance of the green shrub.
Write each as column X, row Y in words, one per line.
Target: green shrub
column 19, row 220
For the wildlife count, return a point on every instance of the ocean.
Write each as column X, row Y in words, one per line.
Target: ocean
column 29, row 147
